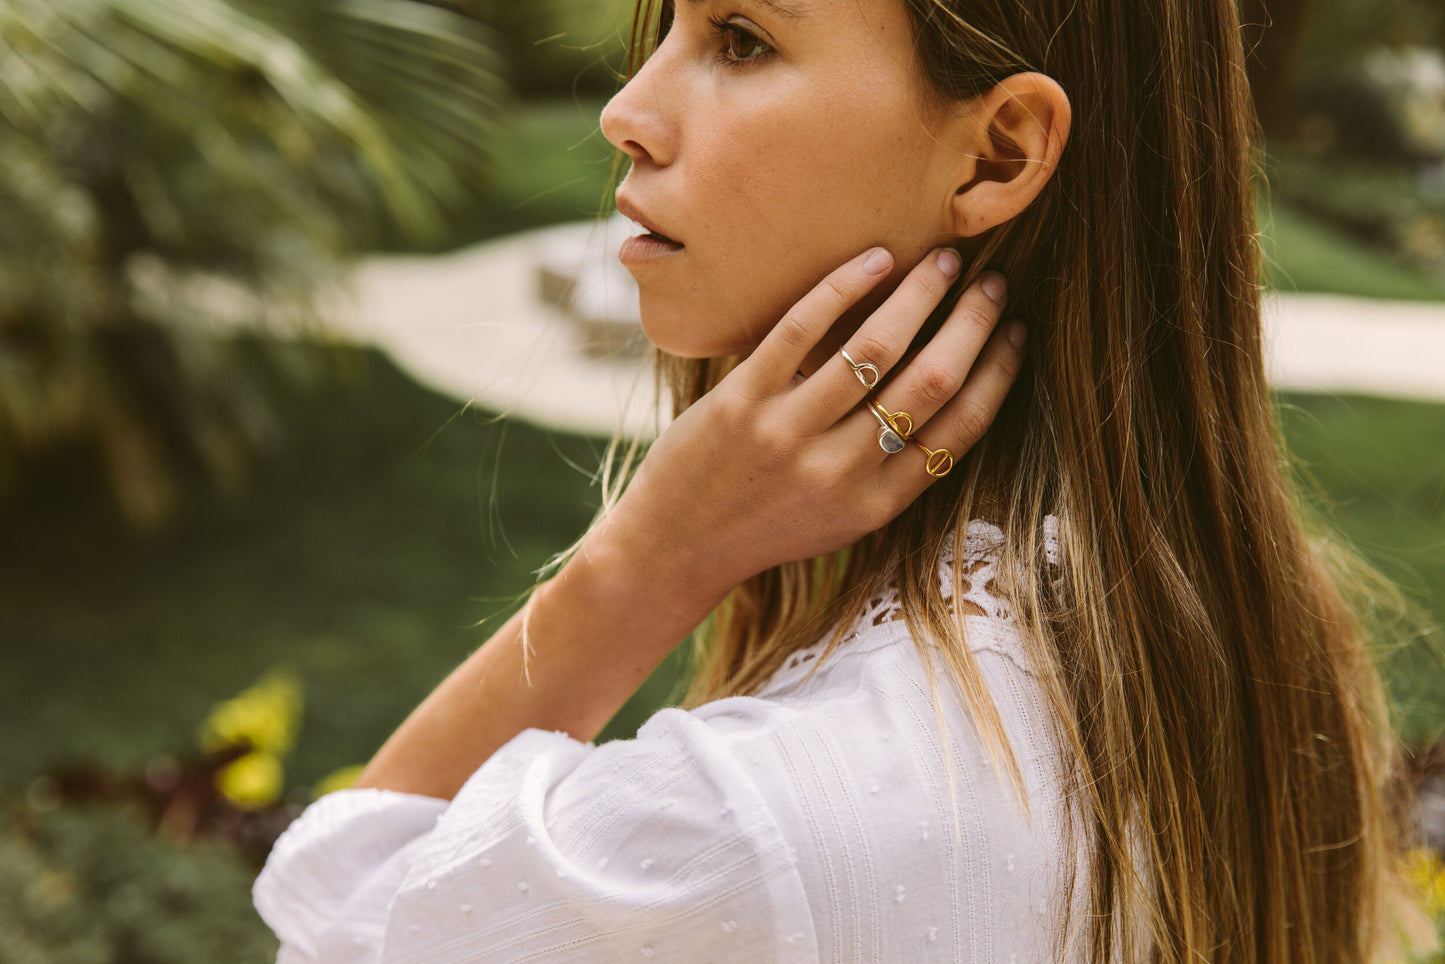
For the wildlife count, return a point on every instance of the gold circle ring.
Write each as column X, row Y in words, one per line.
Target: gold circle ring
column 939, row 462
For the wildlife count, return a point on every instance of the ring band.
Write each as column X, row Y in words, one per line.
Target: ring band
column 939, row 462
column 892, row 435
column 862, row 370
column 890, row 439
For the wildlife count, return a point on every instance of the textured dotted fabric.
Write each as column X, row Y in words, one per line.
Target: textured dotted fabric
column 835, row 815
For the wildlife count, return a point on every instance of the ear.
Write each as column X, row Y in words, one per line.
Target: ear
column 1013, row 135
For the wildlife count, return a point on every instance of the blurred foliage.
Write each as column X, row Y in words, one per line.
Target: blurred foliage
column 1340, row 32
column 550, row 164
column 167, row 163
column 1398, row 229
column 94, row 885
column 342, row 778
column 371, row 556
column 1306, row 253
column 562, row 47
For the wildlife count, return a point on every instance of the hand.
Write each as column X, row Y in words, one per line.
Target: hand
column 767, row 467
column 770, row 467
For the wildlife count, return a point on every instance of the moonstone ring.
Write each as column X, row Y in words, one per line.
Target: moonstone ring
column 890, row 435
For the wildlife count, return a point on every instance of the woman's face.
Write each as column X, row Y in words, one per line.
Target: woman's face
column 771, row 141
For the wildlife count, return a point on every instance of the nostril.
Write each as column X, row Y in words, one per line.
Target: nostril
column 618, row 130
column 638, row 121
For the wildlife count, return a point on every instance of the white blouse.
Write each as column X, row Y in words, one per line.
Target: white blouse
column 825, row 818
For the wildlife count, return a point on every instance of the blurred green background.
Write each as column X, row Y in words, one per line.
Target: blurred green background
column 231, row 562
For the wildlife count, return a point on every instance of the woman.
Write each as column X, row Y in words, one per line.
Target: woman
column 1092, row 695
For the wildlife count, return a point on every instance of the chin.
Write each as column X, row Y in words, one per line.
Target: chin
column 680, row 334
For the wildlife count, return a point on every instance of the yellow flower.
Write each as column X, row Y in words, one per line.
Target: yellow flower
column 264, row 716
column 252, row 781
column 1427, row 875
column 341, row 779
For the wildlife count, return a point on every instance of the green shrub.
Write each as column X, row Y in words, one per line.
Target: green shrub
column 92, row 885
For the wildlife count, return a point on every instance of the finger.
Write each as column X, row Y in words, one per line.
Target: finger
column 961, row 423
column 777, row 359
column 881, row 340
column 934, row 376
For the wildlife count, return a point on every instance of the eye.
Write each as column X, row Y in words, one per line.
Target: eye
column 739, row 45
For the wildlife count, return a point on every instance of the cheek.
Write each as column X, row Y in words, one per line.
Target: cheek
column 779, row 200
column 794, row 213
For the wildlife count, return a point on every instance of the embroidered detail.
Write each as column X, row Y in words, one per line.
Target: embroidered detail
column 978, row 596
column 978, row 593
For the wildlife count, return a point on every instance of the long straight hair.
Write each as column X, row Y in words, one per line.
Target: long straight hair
column 1209, row 677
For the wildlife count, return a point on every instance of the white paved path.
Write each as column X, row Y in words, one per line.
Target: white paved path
column 473, row 325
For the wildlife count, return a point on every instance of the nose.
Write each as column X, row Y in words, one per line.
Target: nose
column 640, row 119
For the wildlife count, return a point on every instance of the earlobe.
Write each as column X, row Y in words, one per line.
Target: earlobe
column 1016, row 134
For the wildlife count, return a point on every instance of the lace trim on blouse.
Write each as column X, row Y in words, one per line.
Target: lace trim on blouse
column 978, row 570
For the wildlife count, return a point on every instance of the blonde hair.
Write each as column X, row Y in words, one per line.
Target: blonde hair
column 1211, row 685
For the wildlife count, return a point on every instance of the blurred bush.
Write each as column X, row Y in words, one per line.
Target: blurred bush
column 93, row 885
column 164, row 163
column 1354, row 113
column 562, row 47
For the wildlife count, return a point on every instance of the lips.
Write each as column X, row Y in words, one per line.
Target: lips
column 659, row 236
column 650, row 229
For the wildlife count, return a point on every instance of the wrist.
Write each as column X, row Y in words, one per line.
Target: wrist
column 667, row 588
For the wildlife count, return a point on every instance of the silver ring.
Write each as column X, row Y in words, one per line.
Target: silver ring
column 860, row 370
column 888, row 438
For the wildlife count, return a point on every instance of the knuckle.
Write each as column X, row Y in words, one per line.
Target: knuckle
column 770, row 439
column 933, row 284
column 981, row 315
column 874, row 350
column 731, row 413
column 936, row 384
column 973, row 421
column 1010, row 361
column 793, row 331
column 840, row 287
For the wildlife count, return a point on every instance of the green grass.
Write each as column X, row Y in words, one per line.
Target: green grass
column 1305, row 254
column 1379, row 468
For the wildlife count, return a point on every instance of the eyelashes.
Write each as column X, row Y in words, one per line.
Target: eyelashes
column 737, row 45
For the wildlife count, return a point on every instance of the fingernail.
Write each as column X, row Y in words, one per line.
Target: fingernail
column 1018, row 333
column 994, row 286
column 877, row 261
column 949, row 262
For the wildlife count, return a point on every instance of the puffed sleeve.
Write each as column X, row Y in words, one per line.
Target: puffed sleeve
column 659, row 848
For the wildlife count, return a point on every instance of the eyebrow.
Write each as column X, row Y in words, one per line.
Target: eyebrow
column 784, row 10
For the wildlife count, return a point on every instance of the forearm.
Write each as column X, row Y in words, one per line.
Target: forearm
column 592, row 635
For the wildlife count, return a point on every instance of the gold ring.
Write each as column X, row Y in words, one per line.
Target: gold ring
column 939, row 462
column 892, row 419
column 891, row 435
